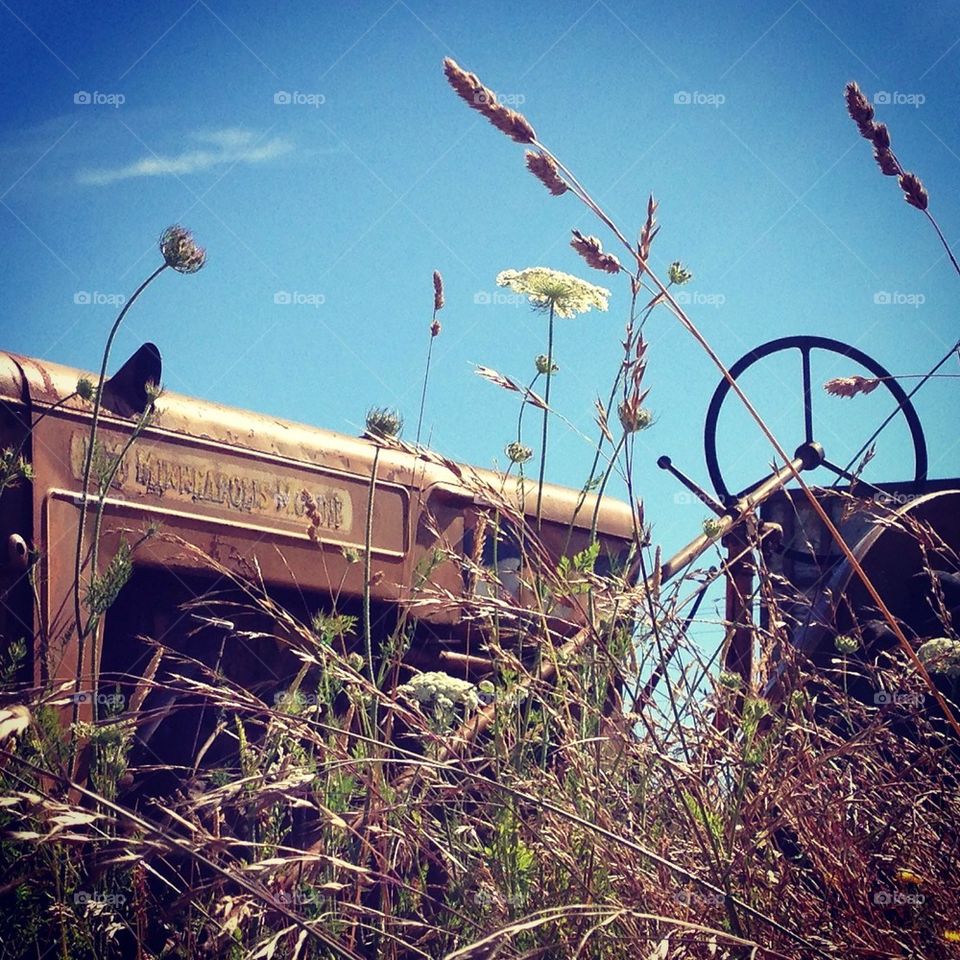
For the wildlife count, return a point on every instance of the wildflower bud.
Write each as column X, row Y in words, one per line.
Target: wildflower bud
column 518, row 452
column 180, row 251
column 350, row 554
column 543, row 364
column 678, row 274
column 435, row 328
column 383, row 423
column 85, row 388
column 845, row 644
column 712, row 527
column 355, row 661
column 729, row 680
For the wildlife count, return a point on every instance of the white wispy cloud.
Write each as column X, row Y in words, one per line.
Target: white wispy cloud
column 226, row 146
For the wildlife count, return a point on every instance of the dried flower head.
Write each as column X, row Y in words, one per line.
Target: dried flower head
column 850, row 386
column 591, row 250
column 180, row 251
column 913, row 191
column 633, row 417
column 478, row 97
column 543, row 364
column 545, row 170
column 517, row 452
column 435, row 328
column 567, row 294
column 85, row 388
column 860, row 109
column 383, row 423
column 678, row 273
column 437, row 291
column 845, row 644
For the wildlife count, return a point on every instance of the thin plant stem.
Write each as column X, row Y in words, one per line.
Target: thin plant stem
column 426, row 377
column 943, row 240
column 546, row 416
column 367, row 574
column 87, row 467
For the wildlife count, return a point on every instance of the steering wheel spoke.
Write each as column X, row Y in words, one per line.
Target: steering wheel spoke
column 807, row 397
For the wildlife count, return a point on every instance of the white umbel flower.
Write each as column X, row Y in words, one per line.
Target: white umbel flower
column 567, row 294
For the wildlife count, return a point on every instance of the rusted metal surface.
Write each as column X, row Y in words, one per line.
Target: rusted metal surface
column 229, row 482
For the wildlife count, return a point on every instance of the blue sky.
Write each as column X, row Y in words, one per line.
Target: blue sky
column 375, row 174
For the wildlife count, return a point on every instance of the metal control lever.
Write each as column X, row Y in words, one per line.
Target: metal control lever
column 665, row 463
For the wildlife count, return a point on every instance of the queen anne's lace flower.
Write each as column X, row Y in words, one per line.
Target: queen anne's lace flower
column 440, row 690
column 567, row 294
column 941, row 655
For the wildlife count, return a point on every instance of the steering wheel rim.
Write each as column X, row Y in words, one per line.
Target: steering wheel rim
column 805, row 344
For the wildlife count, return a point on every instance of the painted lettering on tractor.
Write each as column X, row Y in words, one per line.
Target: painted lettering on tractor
column 191, row 479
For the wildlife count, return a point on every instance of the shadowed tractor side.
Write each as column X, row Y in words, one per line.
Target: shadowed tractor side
column 210, row 497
